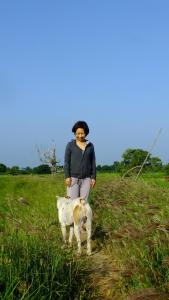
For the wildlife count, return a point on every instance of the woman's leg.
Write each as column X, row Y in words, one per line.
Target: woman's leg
column 73, row 191
column 85, row 187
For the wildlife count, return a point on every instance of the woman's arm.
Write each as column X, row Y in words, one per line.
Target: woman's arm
column 67, row 161
column 93, row 163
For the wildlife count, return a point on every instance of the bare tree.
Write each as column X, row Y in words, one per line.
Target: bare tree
column 49, row 157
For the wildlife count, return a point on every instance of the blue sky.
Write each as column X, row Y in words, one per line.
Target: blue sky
column 105, row 62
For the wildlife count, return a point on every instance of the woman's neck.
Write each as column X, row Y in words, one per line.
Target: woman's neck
column 81, row 142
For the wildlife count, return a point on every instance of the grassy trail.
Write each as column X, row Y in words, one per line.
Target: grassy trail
column 131, row 235
column 130, row 241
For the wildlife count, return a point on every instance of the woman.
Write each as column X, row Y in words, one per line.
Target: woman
column 80, row 165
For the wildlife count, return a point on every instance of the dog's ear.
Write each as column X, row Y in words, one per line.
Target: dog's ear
column 82, row 201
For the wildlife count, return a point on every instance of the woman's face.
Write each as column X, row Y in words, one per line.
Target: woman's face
column 80, row 135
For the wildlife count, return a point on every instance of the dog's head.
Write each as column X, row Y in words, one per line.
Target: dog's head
column 61, row 200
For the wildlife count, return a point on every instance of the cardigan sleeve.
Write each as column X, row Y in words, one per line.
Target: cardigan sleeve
column 93, row 175
column 67, row 161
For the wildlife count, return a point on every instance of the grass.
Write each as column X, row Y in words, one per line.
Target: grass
column 131, row 227
column 32, row 262
column 35, row 270
column 134, row 215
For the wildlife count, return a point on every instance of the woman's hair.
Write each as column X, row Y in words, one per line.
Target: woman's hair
column 80, row 124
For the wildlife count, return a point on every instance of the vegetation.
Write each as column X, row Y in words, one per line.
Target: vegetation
column 42, row 169
column 166, row 169
column 3, row 168
column 132, row 159
column 130, row 240
column 132, row 225
column 33, row 264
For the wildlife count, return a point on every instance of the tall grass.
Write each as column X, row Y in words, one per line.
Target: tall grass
column 32, row 262
column 134, row 217
column 131, row 227
column 37, row 269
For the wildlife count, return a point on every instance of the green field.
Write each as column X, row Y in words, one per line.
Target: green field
column 130, row 240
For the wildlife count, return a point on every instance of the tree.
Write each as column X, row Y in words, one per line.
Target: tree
column 99, row 167
column 14, row 170
column 26, row 170
column 116, row 167
column 42, row 169
column 106, row 168
column 49, row 157
column 3, row 168
column 156, row 164
column 135, row 157
column 166, row 169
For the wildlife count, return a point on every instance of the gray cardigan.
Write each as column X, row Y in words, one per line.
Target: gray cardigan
column 79, row 163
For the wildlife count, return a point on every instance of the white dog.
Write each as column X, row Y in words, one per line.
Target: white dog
column 75, row 213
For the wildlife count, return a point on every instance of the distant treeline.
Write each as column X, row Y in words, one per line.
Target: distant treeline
column 15, row 170
column 132, row 159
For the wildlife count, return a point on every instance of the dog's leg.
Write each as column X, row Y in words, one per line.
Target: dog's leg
column 89, row 230
column 63, row 228
column 77, row 235
column 71, row 235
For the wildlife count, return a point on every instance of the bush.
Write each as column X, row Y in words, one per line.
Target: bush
column 3, row 168
column 42, row 169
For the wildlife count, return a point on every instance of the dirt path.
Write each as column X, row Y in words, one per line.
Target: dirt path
column 105, row 276
column 107, row 279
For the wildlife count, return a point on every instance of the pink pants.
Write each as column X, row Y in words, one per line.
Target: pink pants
column 79, row 188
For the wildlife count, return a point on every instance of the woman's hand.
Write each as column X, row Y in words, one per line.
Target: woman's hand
column 93, row 183
column 68, row 181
